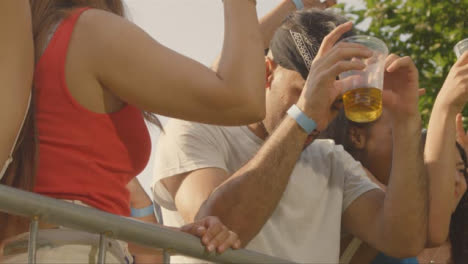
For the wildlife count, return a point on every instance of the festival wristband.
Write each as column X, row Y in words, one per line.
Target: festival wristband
column 142, row 212
column 299, row 4
column 302, row 119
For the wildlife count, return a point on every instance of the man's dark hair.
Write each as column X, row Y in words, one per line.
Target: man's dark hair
column 301, row 35
column 338, row 131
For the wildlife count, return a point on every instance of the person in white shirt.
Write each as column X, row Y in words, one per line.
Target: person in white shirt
column 285, row 193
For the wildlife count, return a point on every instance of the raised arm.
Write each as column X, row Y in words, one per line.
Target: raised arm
column 264, row 178
column 395, row 222
column 273, row 20
column 144, row 73
column 16, row 70
column 440, row 150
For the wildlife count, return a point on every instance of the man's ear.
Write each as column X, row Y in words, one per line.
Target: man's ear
column 358, row 137
column 270, row 69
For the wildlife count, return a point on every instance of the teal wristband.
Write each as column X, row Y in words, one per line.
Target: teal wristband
column 142, row 212
column 299, row 4
column 302, row 119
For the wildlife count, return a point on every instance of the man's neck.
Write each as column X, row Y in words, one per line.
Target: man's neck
column 259, row 130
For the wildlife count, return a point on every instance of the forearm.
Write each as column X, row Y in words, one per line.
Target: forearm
column 272, row 21
column 256, row 189
column 405, row 205
column 242, row 65
column 440, row 162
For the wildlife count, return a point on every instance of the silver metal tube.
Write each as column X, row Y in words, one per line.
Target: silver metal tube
column 159, row 217
column 102, row 249
column 32, row 245
column 58, row 212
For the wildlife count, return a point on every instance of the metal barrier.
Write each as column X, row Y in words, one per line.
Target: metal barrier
column 38, row 207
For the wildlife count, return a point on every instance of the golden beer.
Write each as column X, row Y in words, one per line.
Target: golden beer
column 363, row 105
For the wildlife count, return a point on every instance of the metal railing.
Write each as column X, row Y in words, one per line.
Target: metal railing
column 53, row 211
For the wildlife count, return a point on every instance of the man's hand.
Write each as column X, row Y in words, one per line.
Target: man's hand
column 318, row 4
column 214, row 235
column 322, row 89
column 454, row 92
column 401, row 87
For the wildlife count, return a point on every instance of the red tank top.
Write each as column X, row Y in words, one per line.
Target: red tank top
column 83, row 155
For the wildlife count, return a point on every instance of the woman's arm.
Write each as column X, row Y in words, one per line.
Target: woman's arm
column 139, row 199
column 142, row 72
column 16, row 70
column 440, row 150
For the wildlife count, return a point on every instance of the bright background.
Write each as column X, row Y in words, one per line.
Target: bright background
column 194, row 28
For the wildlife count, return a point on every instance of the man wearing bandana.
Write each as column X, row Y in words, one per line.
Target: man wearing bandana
column 286, row 193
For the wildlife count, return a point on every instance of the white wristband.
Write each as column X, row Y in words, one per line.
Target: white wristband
column 302, row 119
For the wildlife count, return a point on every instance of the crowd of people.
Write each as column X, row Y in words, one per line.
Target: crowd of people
column 259, row 155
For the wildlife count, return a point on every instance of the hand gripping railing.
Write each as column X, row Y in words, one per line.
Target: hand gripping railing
column 69, row 215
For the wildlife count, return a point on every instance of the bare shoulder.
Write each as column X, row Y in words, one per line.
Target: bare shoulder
column 100, row 24
column 107, row 40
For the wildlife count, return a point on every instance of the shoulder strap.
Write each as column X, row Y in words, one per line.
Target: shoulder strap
column 10, row 157
column 63, row 34
column 349, row 252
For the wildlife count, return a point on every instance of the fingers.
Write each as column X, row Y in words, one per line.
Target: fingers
column 214, row 227
column 330, row 40
column 390, row 59
column 344, row 66
column 194, row 229
column 214, row 235
column 405, row 62
column 232, row 240
column 218, row 237
column 422, row 91
column 347, row 51
column 463, row 60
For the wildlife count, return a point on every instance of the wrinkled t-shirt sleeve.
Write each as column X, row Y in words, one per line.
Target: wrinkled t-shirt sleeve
column 185, row 147
column 356, row 182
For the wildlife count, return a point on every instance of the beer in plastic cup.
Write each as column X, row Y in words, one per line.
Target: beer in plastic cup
column 461, row 47
column 362, row 96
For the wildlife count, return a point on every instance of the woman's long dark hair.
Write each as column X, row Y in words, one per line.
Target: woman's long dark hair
column 458, row 235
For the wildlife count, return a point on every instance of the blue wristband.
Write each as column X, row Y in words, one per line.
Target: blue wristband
column 142, row 212
column 299, row 4
column 302, row 119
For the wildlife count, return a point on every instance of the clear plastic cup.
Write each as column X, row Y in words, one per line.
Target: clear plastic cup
column 362, row 90
column 461, row 47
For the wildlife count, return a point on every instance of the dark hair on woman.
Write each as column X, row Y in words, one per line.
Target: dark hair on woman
column 459, row 223
column 458, row 233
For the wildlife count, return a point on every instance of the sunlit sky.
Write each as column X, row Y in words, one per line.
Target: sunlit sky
column 193, row 28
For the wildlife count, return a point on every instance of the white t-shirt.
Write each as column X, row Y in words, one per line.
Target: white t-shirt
column 305, row 226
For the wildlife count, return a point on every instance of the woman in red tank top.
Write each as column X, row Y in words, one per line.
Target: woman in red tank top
column 95, row 74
